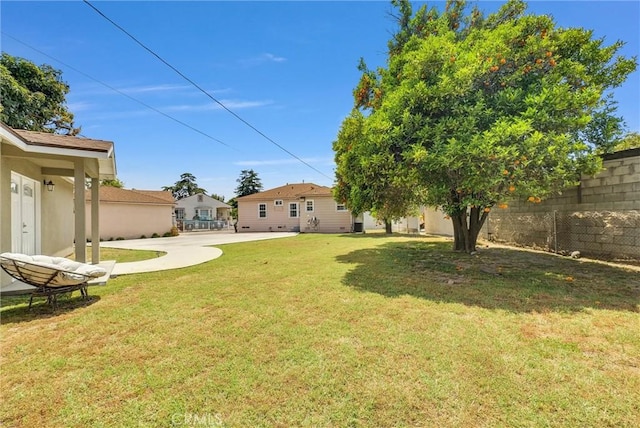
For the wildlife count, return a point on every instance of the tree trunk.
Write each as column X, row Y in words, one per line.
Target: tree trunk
column 465, row 233
column 387, row 227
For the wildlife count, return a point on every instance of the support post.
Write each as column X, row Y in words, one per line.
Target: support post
column 95, row 221
column 80, row 214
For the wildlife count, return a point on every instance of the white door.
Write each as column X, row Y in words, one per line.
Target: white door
column 24, row 193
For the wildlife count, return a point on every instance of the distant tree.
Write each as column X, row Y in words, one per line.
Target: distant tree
column 629, row 141
column 112, row 183
column 234, row 207
column 218, row 197
column 248, row 183
column 184, row 187
column 33, row 97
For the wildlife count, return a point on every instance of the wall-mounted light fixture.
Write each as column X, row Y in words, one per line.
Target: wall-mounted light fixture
column 49, row 185
column 302, row 198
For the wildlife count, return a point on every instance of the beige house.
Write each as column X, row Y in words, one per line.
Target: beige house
column 131, row 214
column 41, row 210
column 302, row 207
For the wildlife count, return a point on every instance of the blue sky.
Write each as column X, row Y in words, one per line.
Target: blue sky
column 287, row 68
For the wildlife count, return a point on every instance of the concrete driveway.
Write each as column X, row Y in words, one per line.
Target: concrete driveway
column 188, row 249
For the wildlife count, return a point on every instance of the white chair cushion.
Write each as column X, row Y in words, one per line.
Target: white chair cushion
column 58, row 271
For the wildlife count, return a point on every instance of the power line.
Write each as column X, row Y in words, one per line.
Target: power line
column 201, row 89
column 120, row 92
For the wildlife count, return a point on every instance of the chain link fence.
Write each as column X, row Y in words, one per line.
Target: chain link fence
column 609, row 235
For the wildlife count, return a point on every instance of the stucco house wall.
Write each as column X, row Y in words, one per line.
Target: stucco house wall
column 436, row 222
column 57, row 215
column 371, row 223
column 130, row 214
column 329, row 218
column 277, row 217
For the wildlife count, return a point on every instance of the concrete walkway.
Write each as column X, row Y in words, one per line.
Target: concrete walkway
column 188, row 249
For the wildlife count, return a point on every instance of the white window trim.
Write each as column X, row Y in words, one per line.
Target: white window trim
column 259, row 211
column 297, row 210
column 278, row 203
column 341, row 210
column 313, row 206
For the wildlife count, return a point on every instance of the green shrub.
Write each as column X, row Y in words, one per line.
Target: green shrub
column 143, row 237
column 174, row 231
column 119, row 238
column 155, row 235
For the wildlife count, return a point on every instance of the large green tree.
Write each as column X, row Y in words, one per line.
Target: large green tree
column 34, row 97
column 473, row 110
column 184, row 187
column 248, row 183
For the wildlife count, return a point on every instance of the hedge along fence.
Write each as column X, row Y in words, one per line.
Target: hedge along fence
column 601, row 217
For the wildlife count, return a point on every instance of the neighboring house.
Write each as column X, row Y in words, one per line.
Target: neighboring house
column 131, row 214
column 303, row 207
column 428, row 220
column 198, row 212
column 41, row 210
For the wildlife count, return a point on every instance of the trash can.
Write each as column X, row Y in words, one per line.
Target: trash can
column 357, row 227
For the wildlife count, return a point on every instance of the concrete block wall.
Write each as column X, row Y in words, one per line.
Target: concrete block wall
column 601, row 217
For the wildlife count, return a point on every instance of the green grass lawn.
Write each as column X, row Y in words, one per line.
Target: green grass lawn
column 123, row 256
column 335, row 331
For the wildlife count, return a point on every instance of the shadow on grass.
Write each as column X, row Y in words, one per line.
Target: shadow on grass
column 15, row 309
column 495, row 278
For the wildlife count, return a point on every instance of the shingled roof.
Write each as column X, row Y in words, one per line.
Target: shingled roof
column 149, row 197
column 47, row 139
column 160, row 194
column 290, row 191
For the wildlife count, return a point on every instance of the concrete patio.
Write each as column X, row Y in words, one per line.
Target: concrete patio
column 187, row 249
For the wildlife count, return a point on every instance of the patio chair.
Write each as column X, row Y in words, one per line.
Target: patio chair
column 50, row 275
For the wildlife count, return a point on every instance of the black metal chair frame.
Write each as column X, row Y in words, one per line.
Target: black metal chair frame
column 31, row 273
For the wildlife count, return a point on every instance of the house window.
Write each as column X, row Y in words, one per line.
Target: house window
column 262, row 210
column 278, row 203
column 293, row 209
column 341, row 207
column 179, row 213
column 203, row 213
column 309, row 206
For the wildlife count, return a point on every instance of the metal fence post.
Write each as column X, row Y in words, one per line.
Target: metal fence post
column 555, row 231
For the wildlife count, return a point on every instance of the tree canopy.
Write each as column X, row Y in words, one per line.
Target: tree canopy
column 473, row 110
column 248, row 183
column 629, row 141
column 34, row 97
column 185, row 187
column 112, row 183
